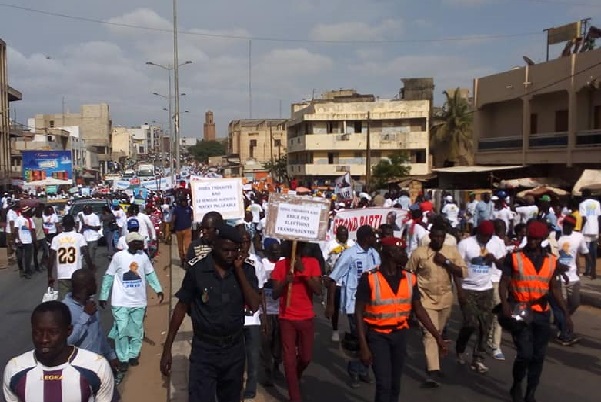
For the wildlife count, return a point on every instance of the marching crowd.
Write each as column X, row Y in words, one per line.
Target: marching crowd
column 508, row 263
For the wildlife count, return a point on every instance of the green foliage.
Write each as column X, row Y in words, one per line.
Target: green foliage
column 278, row 168
column 202, row 150
column 452, row 141
column 392, row 168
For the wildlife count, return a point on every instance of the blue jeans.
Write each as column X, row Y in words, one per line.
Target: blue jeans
column 355, row 367
column 252, row 345
column 591, row 261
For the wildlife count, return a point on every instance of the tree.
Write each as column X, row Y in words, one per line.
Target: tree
column 392, row 168
column 451, row 140
column 202, row 150
column 278, row 168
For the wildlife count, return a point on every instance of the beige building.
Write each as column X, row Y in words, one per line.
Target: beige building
column 95, row 127
column 257, row 140
column 328, row 137
column 7, row 95
column 547, row 113
column 121, row 144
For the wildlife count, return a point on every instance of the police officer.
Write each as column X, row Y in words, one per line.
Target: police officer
column 215, row 292
column 531, row 275
column 385, row 299
column 200, row 247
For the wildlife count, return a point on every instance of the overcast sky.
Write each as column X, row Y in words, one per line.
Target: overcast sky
column 299, row 47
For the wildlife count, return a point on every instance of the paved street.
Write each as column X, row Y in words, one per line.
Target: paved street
column 571, row 373
column 18, row 298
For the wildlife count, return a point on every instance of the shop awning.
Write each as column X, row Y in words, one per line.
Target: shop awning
column 591, row 180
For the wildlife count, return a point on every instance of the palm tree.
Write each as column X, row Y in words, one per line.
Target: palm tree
column 451, row 138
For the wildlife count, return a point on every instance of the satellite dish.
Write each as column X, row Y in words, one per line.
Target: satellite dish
column 528, row 60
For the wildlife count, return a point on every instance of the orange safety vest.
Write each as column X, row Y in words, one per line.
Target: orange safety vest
column 529, row 286
column 387, row 311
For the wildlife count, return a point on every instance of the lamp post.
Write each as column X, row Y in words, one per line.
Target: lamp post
column 174, row 138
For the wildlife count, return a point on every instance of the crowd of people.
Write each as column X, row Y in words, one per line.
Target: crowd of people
column 252, row 299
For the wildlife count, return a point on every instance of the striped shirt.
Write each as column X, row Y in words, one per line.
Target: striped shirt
column 85, row 377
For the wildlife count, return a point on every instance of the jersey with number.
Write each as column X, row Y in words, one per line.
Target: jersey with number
column 85, row 377
column 68, row 253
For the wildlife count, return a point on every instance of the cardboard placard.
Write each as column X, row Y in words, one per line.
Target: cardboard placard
column 292, row 217
column 219, row 195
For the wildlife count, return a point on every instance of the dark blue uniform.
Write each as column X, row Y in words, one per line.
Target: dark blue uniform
column 217, row 311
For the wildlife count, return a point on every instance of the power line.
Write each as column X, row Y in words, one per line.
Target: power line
column 269, row 39
column 561, row 3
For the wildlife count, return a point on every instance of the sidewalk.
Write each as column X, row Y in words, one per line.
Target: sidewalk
column 178, row 382
column 590, row 291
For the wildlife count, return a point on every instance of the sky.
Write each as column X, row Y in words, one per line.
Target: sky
column 92, row 51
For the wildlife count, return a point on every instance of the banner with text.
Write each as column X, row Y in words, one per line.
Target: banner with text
column 291, row 217
column 220, row 195
column 353, row 219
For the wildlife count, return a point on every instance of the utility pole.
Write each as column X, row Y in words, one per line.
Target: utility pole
column 368, row 156
column 176, row 77
column 250, row 87
column 271, row 142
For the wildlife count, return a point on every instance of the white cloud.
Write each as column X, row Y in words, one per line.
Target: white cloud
column 467, row 3
column 293, row 62
column 355, row 30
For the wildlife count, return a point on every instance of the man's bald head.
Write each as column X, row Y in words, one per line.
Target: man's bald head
column 83, row 281
column 212, row 219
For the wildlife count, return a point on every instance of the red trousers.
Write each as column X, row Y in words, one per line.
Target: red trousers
column 296, row 336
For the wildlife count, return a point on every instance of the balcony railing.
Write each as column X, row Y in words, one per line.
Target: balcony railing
column 588, row 138
column 548, row 140
column 500, row 143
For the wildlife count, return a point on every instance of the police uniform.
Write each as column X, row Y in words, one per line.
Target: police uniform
column 217, row 310
column 388, row 304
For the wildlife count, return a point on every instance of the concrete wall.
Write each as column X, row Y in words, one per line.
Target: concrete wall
column 259, row 140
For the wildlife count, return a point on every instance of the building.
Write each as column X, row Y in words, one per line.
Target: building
column 95, row 128
column 187, row 141
column 208, row 133
column 122, row 145
column 7, row 95
column 546, row 115
column 253, row 142
column 327, row 137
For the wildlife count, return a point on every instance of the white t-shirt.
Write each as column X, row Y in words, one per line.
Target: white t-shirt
column 50, row 222
column 569, row 248
column 501, row 246
column 146, row 227
column 129, row 270
column 479, row 276
column 525, row 213
column 590, row 209
column 255, row 319
column 451, row 211
column 11, row 216
column 90, row 220
column 25, row 227
column 272, row 306
column 68, row 253
column 414, row 238
column 255, row 210
column 120, row 217
column 121, row 244
column 505, row 214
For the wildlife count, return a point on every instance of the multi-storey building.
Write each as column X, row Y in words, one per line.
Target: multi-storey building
column 95, row 127
column 7, row 95
column 546, row 114
column 328, row 137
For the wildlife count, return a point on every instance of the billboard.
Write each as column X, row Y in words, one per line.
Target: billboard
column 46, row 165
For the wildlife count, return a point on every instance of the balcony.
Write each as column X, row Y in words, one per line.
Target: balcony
column 500, row 143
column 588, row 138
column 333, row 170
column 548, row 140
column 358, row 141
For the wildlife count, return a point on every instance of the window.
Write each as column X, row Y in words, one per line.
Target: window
column 419, row 156
column 253, row 143
column 51, row 123
column 533, row 123
column 597, row 117
column 277, row 143
column 358, row 126
column 561, row 120
column 332, row 158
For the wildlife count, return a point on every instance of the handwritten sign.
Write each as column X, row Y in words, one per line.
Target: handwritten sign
column 219, row 195
column 353, row 219
column 291, row 217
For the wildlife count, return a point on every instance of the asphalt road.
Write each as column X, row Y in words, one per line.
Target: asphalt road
column 570, row 373
column 18, row 298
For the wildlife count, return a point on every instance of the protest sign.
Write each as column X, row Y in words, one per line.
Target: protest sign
column 220, row 195
column 353, row 219
column 291, row 217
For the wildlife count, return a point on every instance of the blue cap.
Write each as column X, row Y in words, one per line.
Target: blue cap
column 133, row 224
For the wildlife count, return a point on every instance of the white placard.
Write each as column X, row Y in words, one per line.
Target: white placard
column 298, row 220
column 219, row 195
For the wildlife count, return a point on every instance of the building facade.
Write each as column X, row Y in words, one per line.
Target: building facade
column 208, row 133
column 541, row 114
column 122, row 145
column 95, row 128
column 328, row 137
column 257, row 140
column 7, row 95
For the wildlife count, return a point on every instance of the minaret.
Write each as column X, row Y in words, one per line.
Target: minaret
column 209, row 127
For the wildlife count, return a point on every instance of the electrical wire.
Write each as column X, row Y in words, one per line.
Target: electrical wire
column 268, row 39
